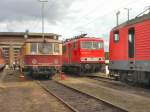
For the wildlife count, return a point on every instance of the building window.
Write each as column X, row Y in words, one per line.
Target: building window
column 116, row 36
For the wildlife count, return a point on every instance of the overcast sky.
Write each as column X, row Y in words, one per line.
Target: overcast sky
column 68, row 17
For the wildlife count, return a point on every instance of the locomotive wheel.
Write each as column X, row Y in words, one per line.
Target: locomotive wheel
column 131, row 78
column 48, row 77
column 123, row 77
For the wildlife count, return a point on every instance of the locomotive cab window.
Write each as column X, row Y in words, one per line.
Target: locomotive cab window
column 116, row 36
column 45, row 48
column 131, row 34
column 34, row 48
column 56, row 48
column 91, row 45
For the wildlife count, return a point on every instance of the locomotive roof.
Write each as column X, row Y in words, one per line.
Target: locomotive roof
column 83, row 38
column 133, row 21
column 38, row 40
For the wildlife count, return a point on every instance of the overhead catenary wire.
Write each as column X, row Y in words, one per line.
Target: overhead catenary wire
column 93, row 20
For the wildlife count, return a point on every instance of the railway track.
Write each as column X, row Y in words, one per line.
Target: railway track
column 107, row 80
column 59, row 99
column 76, row 100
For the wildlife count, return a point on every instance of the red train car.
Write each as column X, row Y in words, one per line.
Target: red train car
column 83, row 54
column 2, row 61
column 130, row 51
column 41, row 58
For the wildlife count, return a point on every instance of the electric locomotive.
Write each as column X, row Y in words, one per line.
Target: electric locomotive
column 2, row 61
column 41, row 57
column 83, row 55
column 130, row 51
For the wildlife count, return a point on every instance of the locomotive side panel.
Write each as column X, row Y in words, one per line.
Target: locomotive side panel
column 74, row 49
column 118, row 47
column 142, row 42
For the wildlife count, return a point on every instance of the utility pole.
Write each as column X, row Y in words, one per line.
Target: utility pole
column 117, row 16
column 42, row 12
column 128, row 12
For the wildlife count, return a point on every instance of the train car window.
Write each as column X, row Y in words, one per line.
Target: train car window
column 131, row 42
column 64, row 49
column 86, row 45
column 97, row 45
column 91, row 45
column 116, row 36
column 45, row 48
column 33, row 48
column 56, row 48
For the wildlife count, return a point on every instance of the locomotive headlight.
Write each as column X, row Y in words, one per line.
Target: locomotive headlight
column 34, row 61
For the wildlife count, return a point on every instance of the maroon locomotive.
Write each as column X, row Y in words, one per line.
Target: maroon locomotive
column 130, row 50
column 83, row 54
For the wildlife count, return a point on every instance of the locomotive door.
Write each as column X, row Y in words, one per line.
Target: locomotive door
column 69, row 53
column 131, row 48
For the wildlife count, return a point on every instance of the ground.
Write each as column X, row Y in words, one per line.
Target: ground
column 118, row 96
column 24, row 95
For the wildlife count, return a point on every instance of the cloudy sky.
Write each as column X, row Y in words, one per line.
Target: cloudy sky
column 67, row 17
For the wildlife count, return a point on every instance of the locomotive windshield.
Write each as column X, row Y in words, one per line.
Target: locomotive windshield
column 91, row 45
column 43, row 48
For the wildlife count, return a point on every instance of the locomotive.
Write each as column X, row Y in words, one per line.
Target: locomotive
column 130, row 51
column 83, row 55
column 41, row 58
column 2, row 61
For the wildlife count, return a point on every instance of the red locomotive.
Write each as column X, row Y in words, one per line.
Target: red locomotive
column 83, row 54
column 130, row 51
column 41, row 58
column 2, row 61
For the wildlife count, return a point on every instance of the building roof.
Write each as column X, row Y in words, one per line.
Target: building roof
column 21, row 34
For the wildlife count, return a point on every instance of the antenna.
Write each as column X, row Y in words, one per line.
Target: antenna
column 128, row 12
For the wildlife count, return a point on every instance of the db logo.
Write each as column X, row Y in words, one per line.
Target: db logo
column 34, row 61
